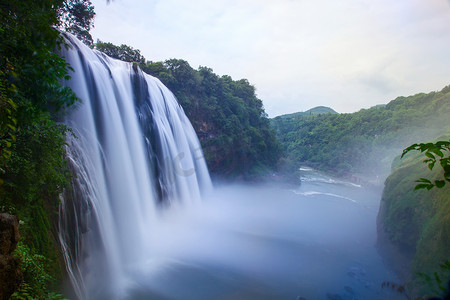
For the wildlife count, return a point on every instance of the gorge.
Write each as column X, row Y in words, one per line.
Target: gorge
column 111, row 189
column 142, row 220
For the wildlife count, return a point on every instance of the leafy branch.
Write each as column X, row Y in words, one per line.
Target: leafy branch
column 435, row 152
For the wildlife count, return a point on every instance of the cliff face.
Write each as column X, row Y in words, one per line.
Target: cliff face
column 414, row 226
column 10, row 275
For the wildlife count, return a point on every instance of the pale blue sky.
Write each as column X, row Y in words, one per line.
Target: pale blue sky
column 347, row 54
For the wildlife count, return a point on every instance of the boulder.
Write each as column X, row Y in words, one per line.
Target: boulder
column 10, row 274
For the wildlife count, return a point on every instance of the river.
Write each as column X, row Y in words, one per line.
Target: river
column 315, row 241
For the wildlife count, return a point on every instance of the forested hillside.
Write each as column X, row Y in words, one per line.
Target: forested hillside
column 228, row 118
column 414, row 226
column 364, row 143
column 33, row 169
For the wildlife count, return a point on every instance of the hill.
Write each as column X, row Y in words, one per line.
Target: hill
column 363, row 144
column 313, row 111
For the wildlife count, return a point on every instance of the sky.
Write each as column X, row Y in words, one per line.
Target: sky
column 347, row 54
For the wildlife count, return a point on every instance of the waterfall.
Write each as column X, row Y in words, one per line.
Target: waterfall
column 132, row 151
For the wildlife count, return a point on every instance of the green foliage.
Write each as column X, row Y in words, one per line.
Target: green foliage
column 310, row 112
column 36, row 278
column 77, row 17
column 33, row 169
column 35, row 175
column 31, row 70
column 31, row 93
column 363, row 143
column 8, row 123
column 122, row 52
column 432, row 151
column 228, row 118
column 418, row 222
column 437, row 282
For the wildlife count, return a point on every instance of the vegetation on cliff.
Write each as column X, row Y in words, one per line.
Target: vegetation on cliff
column 32, row 167
column 417, row 222
column 226, row 114
column 364, row 143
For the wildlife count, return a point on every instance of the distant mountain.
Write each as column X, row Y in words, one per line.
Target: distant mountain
column 313, row 111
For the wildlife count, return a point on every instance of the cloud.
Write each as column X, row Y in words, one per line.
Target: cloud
column 348, row 54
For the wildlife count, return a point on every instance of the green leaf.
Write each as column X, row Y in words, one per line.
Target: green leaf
column 424, row 180
column 444, row 162
column 14, row 105
column 442, row 144
column 428, row 154
column 439, row 183
column 12, row 127
column 437, row 151
column 437, row 278
column 423, row 186
column 412, row 147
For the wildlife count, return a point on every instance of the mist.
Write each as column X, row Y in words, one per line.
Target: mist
column 379, row 157
column 314, row 241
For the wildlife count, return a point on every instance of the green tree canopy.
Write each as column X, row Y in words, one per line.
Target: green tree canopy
column 226, row 114
column 77, row 17
column 365, row 142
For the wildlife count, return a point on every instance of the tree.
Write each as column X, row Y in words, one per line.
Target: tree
column 348, row 144
column 228, row 118
column 77, row 17
column 122, row 52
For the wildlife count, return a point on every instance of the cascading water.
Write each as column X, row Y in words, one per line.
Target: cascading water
column 132, row 150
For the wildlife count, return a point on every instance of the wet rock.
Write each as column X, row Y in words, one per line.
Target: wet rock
column 10, row 274
column 9, row 233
